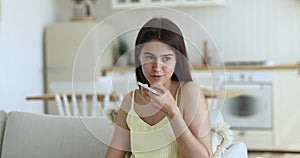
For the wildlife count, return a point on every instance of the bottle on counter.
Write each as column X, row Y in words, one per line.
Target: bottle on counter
column 79, row 9
column 206, row 60
column 83, row 11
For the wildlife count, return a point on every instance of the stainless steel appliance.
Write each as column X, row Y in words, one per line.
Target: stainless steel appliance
column 253, row 109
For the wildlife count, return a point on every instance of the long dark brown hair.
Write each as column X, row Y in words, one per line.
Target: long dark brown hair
column 164, row 30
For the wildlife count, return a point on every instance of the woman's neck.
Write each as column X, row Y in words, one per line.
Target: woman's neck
column 172, row 86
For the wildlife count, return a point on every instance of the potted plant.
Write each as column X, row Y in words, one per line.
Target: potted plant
column 122, row 49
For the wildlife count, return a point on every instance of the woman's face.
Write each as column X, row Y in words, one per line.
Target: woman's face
column 158, row 62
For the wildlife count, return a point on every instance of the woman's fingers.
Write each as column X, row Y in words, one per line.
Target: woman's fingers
column 164, row 102
column 159, row 88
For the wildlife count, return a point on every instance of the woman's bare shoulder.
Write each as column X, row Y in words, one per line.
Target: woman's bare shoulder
column 191, row 87
column 193, row 101
column 126, row 102
column 191, row 94
column 189, row 83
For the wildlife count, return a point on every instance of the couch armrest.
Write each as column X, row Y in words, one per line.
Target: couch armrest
column 236, row 150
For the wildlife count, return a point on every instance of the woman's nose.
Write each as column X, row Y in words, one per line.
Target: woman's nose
column 157, row 66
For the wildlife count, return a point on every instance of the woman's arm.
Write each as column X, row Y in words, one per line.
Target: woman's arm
column 120, row 143
column 192, row 128
column 190, row 124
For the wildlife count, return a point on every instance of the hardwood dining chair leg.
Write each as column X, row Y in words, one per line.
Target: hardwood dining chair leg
column 66, row 105
column 59, row 105
column 75, row 106
column 106, row 101
column 94, row 107
column 84, row 105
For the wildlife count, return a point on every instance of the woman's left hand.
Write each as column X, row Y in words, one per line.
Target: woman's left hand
column 165, row 102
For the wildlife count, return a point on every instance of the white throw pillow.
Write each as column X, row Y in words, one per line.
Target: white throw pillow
column 222, row 137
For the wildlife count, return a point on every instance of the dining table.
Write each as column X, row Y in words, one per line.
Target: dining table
column 208, row 94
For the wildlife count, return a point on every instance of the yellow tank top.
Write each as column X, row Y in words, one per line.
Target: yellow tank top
column 151, row 141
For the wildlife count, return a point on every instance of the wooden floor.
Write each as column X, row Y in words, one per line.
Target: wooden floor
column 273, row 155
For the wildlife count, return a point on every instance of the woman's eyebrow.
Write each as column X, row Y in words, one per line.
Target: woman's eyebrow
column 166, row 55
column 148, row 53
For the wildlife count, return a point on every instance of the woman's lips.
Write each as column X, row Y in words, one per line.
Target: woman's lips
column 157, row 77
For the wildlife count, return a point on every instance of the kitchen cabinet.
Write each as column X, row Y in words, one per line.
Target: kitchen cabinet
column 122, row 4
column 286, row 110
column 62, row 42
column 73, row 53
column 255, row 139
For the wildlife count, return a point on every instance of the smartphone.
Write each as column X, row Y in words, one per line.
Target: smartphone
column 150, row 89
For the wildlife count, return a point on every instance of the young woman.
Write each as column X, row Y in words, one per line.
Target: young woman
column 175, row 122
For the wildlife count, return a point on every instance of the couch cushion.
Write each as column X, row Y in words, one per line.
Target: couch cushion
column 34, row 136
column 3, row 116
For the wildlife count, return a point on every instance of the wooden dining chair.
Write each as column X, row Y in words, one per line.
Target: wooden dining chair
column 81, row 98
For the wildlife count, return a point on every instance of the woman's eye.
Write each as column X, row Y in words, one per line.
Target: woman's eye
column 150, row 57
column 167, row 58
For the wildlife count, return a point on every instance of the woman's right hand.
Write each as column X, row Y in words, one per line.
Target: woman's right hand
column 165, row 102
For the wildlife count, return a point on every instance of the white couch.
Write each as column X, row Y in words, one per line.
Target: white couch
column 28, row 135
